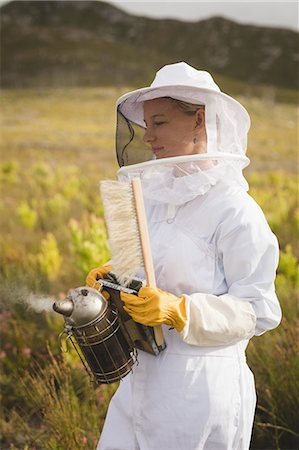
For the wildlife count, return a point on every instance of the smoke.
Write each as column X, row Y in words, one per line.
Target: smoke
column 39, row 303
column 20, row 295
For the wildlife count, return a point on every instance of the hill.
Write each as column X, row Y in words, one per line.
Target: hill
column 75, row 43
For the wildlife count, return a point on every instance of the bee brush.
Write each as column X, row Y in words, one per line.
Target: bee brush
column 128, row 233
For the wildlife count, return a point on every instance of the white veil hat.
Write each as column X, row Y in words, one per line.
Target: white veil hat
column 227, row 121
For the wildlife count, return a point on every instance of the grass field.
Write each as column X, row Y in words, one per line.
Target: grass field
column 55, row 147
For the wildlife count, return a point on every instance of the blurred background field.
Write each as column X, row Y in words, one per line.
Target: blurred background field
column 56, row 144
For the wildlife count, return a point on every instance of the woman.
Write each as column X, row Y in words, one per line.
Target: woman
column 215, row 260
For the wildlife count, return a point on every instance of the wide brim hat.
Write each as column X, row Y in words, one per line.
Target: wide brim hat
column 182, row 82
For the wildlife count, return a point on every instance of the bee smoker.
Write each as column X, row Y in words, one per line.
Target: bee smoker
column 97, row 331
column 106, row 335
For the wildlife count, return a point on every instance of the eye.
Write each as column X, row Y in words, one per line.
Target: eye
column 157, row 124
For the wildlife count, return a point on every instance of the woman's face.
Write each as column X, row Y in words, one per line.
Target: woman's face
column 171, row 132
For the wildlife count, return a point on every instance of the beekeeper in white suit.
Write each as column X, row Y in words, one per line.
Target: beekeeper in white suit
column 215, row 259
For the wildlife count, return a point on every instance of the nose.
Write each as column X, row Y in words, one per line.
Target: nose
column 148, row 136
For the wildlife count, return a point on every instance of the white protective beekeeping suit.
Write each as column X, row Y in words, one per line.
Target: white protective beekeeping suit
column 211, row 243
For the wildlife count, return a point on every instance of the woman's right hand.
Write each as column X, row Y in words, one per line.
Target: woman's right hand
column 97, row 274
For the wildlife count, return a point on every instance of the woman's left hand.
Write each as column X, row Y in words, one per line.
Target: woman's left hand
column 154, row 307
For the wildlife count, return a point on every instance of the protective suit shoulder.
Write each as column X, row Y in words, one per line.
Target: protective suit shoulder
column 224, row 209
column 238, row 210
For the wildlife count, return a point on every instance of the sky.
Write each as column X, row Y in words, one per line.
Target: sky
column 267, row 13
column 282, row 14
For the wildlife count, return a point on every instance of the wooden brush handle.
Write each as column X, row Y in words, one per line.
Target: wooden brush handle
column 146, row 248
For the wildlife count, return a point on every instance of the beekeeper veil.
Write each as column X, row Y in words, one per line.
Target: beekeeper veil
column 182, row 176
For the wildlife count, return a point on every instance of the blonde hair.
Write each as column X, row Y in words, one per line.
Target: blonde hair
column 188, row 108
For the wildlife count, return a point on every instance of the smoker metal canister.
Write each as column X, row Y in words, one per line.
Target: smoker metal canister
column 95, row 324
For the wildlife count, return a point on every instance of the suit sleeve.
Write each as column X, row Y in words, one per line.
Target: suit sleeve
column 248, row 251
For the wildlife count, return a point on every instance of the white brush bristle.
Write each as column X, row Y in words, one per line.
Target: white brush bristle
column 123, row 230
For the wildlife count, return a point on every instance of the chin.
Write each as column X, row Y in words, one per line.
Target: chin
column 167, row 155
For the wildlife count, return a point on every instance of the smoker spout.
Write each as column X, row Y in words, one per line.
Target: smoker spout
column 64, row 307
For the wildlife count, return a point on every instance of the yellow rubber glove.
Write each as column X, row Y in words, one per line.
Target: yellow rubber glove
column 97, row 274
column 154, row 307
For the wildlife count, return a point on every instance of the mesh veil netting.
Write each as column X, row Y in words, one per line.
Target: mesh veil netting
column 176, row 180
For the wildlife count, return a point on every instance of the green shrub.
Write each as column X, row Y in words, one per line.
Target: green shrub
column 9, row 172
column 49, row 257
column 89, row 243
column 27, row 216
